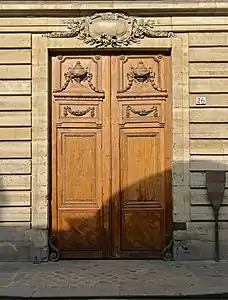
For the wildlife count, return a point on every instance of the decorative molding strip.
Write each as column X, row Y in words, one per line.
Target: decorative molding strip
column 110, row 30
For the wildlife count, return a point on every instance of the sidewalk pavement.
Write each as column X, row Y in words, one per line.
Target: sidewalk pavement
column 107, row 278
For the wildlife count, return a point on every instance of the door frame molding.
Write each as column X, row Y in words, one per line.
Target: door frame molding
column 41, row 48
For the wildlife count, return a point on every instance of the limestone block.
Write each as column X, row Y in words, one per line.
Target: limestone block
column 15, row 198
column 38, row 237
column 16, row 224
column 211, row 99
column 15, row 166
column 17, row 214
column 199, row 213
column 197, row 242
column 13, row 251
column 15, row 71
column 203, row 231
column 24, row 244
column 208, row 146
column 15, row 102
column 208, row 54
column 40, row 122
column 199, row 20
column 19, row 40
column 208, row 69
column 178, row 91
column 202, row 163
column 192, row 250
column 23, row 22
column 9, row 87
column 209, row 38
column 198, row 180
column 40, row 220
column 209, row 115
column 15, row 118
column 93, row 5
column 208, row 85
column 15, row 182
column 12, row 233
column 181, row 204
column 35, row 29
column 178, row 173
column 199, row 197
column 178, row 147
column 15, row 56
column 178, row 120
column 15, row 149
column 20, row 134
column 209, row 131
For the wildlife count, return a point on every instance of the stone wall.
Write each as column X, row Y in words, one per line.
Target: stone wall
column 208, row 77
column 200, row 133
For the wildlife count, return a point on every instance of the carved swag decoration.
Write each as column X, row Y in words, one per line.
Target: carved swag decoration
column 142, row 112
column 79, row 113
column 141, row 74
column 110, row 30
column 77, row 74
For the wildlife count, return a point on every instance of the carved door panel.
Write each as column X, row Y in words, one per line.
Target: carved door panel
column 111, row 183
column 141, row 148
column 80, row 155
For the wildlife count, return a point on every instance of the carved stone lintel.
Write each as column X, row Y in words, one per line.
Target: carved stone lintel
column 77, row 74
column 142, row 112
column 140, row 74
column 78, row 113
column 110, row 30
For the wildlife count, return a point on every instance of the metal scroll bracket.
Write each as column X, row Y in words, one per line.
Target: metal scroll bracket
column 167, row 253
column 215, row 181
column 53, row 250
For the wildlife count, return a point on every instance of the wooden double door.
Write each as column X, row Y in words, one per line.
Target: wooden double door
column 111, row 155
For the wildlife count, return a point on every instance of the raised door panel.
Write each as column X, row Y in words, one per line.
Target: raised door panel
column 79, row 190
column 141, row 165
column 142, row 190
column 79, row 169
column 140, row 155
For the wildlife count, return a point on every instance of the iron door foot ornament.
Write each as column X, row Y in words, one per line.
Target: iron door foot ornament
column 167, row 253
column 53, row 250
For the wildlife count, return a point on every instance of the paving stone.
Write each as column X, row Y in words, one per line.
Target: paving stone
column 113, row 278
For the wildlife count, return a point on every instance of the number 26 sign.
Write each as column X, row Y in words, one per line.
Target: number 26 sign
column 201, row 101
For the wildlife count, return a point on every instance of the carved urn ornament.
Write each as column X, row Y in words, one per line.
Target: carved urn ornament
column 77, row 75
column 140, row 72
column 110, row 30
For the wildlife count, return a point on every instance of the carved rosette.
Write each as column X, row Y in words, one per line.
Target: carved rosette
column 110, row 30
